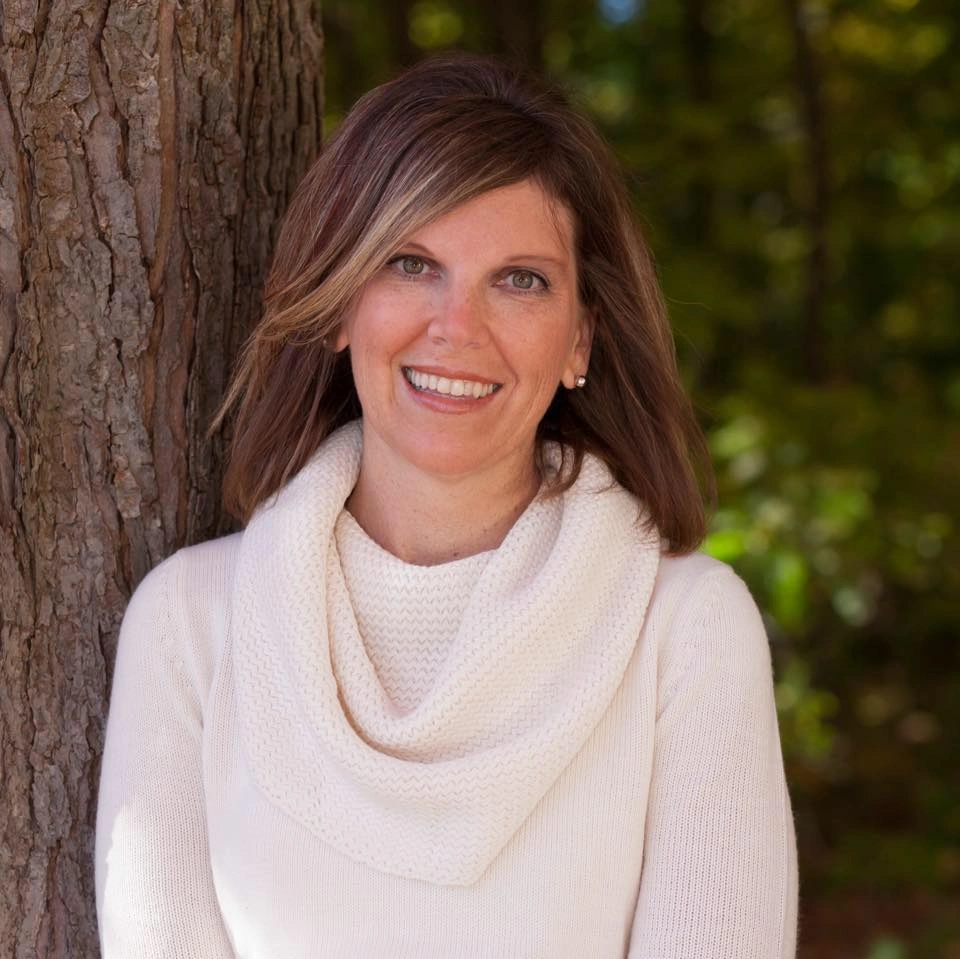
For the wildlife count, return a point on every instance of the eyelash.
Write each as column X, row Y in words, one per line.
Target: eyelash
column 400, row 257
column 397, row 260
column 542, row 280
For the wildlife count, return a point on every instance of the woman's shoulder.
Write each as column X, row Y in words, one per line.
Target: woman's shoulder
column 194, row 577
column 695, row 576
column 208, row 565
column 701, row 608
column 181, row 606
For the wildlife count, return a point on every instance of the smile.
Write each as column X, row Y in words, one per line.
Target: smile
column 442, row 385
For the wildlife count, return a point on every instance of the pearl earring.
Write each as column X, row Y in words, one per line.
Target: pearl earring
column 580, row 382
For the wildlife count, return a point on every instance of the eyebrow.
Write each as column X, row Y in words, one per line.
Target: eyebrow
column 538, row 258
column 531, row 258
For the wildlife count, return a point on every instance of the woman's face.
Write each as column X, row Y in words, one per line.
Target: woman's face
column 460, row 342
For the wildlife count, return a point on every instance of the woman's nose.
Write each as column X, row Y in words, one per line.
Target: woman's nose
column 460, row 318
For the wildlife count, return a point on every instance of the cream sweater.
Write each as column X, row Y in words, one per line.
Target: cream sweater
column 566, row 747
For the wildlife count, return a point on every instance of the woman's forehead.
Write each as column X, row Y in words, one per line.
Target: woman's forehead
column 522, row 211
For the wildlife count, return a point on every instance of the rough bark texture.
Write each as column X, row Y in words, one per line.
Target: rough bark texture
column 147, row 148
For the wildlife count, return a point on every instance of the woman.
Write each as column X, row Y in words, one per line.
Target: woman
column 460, row 688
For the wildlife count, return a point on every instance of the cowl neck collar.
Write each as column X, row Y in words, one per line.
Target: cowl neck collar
column 435, row 793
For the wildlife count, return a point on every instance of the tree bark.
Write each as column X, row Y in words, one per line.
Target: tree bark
column 147, row 149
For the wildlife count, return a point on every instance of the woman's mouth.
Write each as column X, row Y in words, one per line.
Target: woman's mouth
column 447, row 386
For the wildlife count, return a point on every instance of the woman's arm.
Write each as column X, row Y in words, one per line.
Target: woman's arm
column 155, row 895
column 719, row 876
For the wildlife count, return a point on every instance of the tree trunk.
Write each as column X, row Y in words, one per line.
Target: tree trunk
column 146, row 151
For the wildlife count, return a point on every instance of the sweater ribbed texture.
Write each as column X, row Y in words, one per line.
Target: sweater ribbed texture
column 580, row 758
column 539, row 652
column 407, row 615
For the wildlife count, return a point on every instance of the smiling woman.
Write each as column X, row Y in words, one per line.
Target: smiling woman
column 460, row 687
column 408, row 155
column 456, row 351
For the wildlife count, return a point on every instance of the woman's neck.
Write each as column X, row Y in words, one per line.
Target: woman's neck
column 427, row 520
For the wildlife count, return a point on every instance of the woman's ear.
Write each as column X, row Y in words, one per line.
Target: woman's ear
column 579, row 359
column 340, row 340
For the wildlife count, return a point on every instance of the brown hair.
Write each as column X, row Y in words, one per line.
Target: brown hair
column 441, row 133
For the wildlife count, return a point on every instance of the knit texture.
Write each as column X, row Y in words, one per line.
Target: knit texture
column 407, row 615
column 539, row 652
column 578, row 758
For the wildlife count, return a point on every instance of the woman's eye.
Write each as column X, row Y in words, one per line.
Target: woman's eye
column 411, row 265
column 526, row 280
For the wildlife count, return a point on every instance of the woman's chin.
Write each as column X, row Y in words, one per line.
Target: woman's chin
column 453, row 458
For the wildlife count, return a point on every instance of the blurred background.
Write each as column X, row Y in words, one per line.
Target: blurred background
column 796, row 165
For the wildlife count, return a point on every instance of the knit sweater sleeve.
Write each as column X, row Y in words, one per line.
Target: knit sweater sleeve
column 719, row 877
column 155, row 893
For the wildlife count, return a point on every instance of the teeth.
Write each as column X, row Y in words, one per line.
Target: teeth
column 448, row 387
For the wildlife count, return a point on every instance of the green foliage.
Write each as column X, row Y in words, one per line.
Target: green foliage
column 830, row 388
